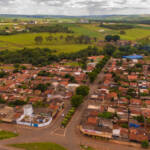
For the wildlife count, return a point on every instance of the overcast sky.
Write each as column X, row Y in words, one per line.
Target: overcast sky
column 75, row 7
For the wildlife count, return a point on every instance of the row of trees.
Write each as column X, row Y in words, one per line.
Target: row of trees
column 50, row 28
column 92, row 75
column 117, row 26
column 76, row 101
column 110, row 38
column 83, row 39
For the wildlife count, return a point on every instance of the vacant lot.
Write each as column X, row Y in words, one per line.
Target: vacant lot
column 39, row 146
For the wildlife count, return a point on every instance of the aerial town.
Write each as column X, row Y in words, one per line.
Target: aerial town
column 74, row 75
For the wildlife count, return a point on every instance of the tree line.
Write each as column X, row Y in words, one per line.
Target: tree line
column 117, row 26
column 82, row 39
column 38, row 56
column 50, row 28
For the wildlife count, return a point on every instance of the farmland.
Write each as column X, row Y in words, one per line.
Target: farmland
column 93, row 30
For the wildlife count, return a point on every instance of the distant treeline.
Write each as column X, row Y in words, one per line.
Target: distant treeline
column 137, row 21
column 38, row 28
column 42, row 57
column 117, row 26
column 3, row 32
column 50, row 28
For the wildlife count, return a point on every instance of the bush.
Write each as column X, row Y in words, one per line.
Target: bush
column 145, row 144
column 107, row 115
column 124, row 125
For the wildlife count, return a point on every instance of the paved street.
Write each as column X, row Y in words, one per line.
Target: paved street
column 71, row 138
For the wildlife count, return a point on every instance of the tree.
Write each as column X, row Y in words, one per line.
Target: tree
column 122, row 32
column 109, row 49
column 108, row 38
column 76, row 100
column 92, row 76
column 116, row 38
column 42, row 87
column 145, row 144
column 131, row 92
column 2, row 101
column 82, row 90
column 49, row 38
column 38, row 39
column 3, row 74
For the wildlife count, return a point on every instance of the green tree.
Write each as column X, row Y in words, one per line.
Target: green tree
column 145, row 144
column 122, row 32
column 3, row 74
column 38, row 39
column 109, row 49
column 116, row 38
column 82, row 90
column 108, row 38
column 76, row 100
column 42, row 87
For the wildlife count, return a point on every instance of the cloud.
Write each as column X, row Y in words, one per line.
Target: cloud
column 75, row 7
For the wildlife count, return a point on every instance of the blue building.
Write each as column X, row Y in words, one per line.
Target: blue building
column 133, row 57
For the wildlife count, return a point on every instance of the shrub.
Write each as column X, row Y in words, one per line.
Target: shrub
column 145, row 144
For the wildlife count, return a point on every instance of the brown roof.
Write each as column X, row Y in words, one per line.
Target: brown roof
column 92, row 120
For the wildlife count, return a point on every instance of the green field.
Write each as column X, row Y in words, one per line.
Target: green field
column 6, row 135
column 39, row 146
column 131, row 34
column 19, row 41
column 135, row 34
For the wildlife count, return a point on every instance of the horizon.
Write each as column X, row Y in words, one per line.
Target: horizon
column 142, row 15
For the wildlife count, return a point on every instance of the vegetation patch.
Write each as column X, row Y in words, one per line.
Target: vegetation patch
column 7, row 135
column 39, row 146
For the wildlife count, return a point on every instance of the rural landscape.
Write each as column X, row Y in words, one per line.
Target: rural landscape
column 74, row 82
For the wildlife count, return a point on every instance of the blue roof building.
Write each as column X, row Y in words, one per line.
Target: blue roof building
column 133, row 57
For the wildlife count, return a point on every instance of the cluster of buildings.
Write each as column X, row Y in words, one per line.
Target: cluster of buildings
column 46, row 88
column 120, row 107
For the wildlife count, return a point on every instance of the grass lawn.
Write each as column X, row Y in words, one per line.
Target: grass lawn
column 74, row 64
column 39, row 146
column 6, row 135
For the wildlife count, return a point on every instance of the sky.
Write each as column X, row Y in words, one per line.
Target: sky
column 75, row 7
